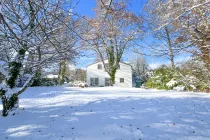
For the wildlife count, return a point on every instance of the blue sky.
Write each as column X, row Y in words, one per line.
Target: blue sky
column 85, row 8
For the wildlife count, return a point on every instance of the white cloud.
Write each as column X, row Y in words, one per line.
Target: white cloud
column 158, row 64
column 182, row 58
column 154, row 65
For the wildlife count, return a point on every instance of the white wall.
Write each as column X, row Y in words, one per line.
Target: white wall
column 125, row 72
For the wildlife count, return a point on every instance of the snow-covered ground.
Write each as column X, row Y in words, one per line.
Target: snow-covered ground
column 64, row 113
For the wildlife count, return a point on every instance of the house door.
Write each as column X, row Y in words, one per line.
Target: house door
column 94, row 81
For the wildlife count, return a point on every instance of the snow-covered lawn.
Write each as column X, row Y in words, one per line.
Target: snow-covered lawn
column 64, row 113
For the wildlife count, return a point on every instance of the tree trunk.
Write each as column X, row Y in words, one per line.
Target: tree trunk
column 4, row 103
column 112, row 76
column 170, row 48
column 62, row 72
column 14, row 70
column 59, row 74
column 9, row 104
column 15, row 67
column 205, row 55
column 38, row 75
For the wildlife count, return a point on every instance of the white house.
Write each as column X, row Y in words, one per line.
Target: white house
column 97, row 76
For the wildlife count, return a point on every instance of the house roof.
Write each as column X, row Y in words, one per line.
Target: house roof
column 106, row 59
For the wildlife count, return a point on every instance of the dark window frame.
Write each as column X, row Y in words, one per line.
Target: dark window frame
column 122, row 80
column 106, row 66
column 99, row 66
column 107, row 81
column 94, row 81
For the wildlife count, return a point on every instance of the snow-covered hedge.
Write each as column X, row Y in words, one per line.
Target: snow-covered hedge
column 191, row 75
column 162, row 79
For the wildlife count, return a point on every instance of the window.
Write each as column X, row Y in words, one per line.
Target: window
column 106, row 66
column 107, row 81
column 99, row 66
column 119, row 66
column 94, row 81
column 121, row 80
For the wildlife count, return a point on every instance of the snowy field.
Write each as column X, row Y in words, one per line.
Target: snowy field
column 64, row 113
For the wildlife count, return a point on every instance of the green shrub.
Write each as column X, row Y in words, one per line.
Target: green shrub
column 160, row 78
column 47, row 82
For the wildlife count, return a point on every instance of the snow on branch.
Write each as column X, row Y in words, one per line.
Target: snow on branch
column 4, row 72
column 2, row 69
column 185, row 10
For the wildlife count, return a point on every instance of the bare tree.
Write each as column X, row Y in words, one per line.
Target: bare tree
column 113, row 34
column 67, row 38
column 29, row 27
column 80, row 75
column 191, row 19
column 166, row 36
column 193, row 75
column 140, row 67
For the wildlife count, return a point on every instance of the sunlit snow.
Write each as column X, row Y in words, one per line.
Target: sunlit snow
column 109, row 113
